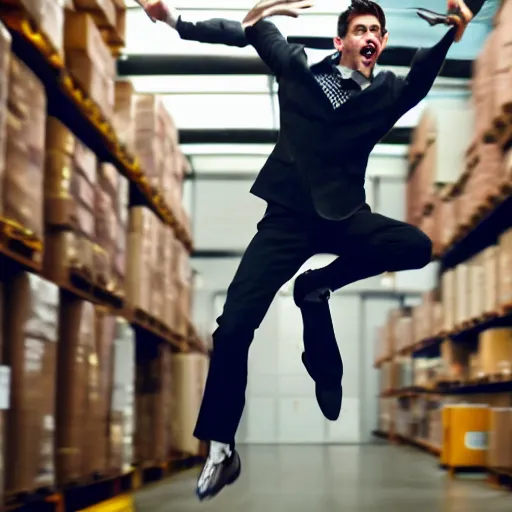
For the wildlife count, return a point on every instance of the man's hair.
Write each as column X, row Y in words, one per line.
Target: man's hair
column 360, row 8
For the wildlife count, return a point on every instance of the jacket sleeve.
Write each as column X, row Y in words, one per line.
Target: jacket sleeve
column 275, row 51
column 215, row 31
column 425, row 67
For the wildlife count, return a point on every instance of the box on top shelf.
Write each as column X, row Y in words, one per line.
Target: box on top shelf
column 103, row 12
column 48, row 16
column 124, row 114
column 24, row 166
column 89, row 60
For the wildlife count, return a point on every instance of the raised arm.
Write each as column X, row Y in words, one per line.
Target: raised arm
column 425, row 67
column 213, row 31
column 280, row 56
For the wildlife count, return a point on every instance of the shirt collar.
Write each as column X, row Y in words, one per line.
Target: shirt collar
column 358, row 77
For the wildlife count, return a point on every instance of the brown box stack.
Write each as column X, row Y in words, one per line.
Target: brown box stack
column 160, row 269
column 89, row 60
column 448, row 291
column 31, row 305
column 153, row 391
column 461, row 294
column 122, row 218
column 141, row 257
column 74, row 378
column 495, row 352
column 499, row 454
column 490, row 258
column 103, row 12
column 5, row 377
column 106, row 226
column 182, row 276
column 99, row 416
column 70, row 181
column 24, row 165
column 476, row 287
column 505, row 269
column 448, row 224
column 48, row 16
column 124, row 114
column 483, row 90
column 5, row 55
column 149, row 132
column 502, row 63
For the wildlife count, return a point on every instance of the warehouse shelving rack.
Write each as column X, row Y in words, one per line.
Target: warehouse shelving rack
column 21, row 250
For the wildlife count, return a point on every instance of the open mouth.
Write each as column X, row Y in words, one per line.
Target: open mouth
column 368, row 51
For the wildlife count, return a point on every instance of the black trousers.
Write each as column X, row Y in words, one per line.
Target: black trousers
column 367, row 244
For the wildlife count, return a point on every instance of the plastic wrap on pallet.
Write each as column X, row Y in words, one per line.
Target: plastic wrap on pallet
column 122, row 410
column 5, row 55
column 24, row 167
column 31, row 304
column 76, row 342
column 461, row 294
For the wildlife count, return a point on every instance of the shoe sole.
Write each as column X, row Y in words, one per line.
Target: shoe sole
column 232, row 479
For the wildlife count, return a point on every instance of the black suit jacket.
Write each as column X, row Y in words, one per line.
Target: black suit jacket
column 318, row 165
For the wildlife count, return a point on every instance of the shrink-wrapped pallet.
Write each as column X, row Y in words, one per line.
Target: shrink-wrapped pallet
column 461, row 294
column 141, row 257
column 5, row 55
column 188, row 381
column 122, row 410
column 122, row 233
column 31, row 305
column 24, row 164
column 76, row 343
column 153, row 392
column 182, row 273
column 476, row 287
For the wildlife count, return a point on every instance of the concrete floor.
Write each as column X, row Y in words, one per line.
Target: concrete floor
column 371, row 478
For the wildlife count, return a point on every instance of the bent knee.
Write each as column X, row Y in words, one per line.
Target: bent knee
column 421, row 249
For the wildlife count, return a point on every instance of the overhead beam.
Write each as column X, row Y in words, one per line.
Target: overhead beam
column 246, row 136
column 143, row 65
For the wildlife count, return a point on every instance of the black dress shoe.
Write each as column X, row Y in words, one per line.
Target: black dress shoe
column 321, row 356
column 215, row 476
column 459, row 15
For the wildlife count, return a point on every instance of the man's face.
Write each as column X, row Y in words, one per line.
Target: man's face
column 363, row 44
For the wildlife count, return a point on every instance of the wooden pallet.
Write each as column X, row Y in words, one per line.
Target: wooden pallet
column 20, row 246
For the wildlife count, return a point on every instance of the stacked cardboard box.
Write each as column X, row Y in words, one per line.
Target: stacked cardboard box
column 5, row 55
column 24, row 161
column 499, row 454
column 153, row 403
column 89, row 60
column 108, row 231
column 70, row 183
column 124, row 114
column 31, row 305
column 188, row 381
column 122, row 409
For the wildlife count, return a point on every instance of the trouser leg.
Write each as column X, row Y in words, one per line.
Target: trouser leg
column 370, row 244
column 272, row 258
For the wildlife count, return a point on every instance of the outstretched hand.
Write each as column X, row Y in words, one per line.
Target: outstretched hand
column 266, row 8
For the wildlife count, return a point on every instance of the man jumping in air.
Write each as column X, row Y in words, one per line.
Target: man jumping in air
column 332, row 115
